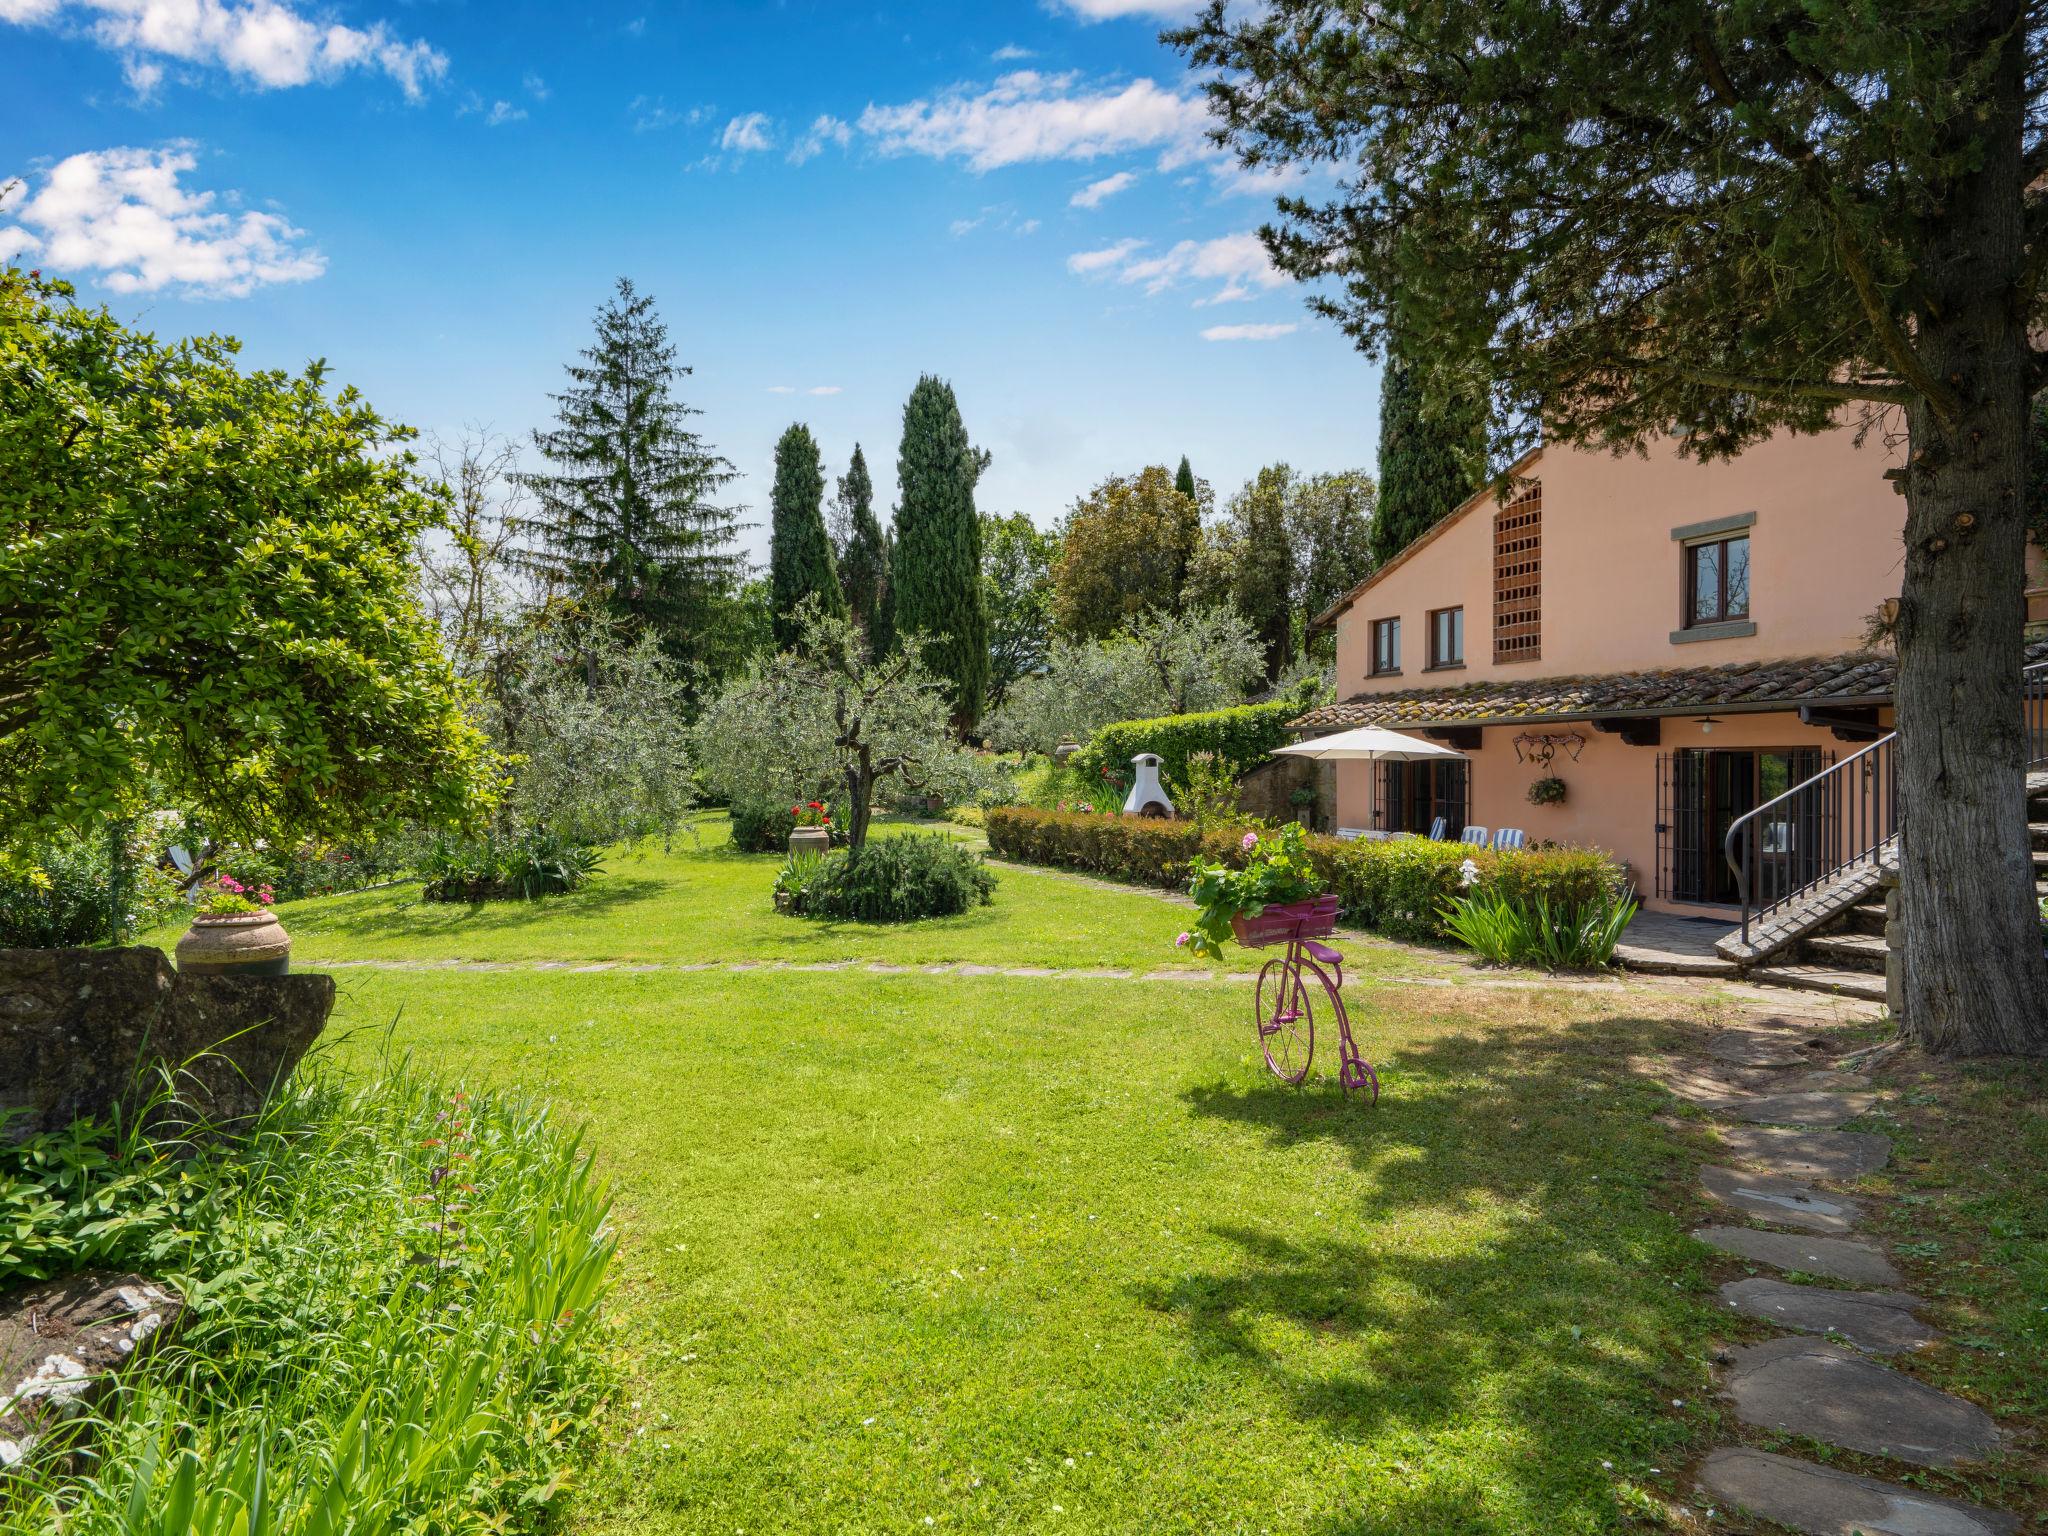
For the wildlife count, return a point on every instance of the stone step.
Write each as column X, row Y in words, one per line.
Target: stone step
column 1816, row 909
column 1876, row 1322
column 1827, row 1393
column 1834, row 1155
column 1867, row 918
column 1818, row 1109
column 2038, row 831
column 1820, row 1501
column 1836, row 1258
column 1833, row 979
column 1785, row 1202
column 1848, row 951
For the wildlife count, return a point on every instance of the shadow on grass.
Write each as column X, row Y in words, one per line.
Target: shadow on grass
column 410, row 918
column 1502, row 1276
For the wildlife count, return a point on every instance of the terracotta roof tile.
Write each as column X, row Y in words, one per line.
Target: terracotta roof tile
column 1861, row 677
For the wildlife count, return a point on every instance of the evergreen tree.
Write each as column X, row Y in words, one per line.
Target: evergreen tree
column 799, row 552
column 627, row 518
column 937, row 565
column 1265, row 564
column 864, row 561
column 1425, row 460
column 1184, row 478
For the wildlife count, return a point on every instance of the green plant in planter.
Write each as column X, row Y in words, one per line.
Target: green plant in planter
column 1277, row 870
column 229, row 897
column 1548, row 790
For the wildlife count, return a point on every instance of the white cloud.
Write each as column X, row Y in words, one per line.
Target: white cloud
column 1109, row 10
column 534, row 86
column 651, row 113
column 746, row 134
column 1028, row 227
column 824, row 389
column 1096, row 192
column 1238, row 261
column 781, row 389
column 1027, row 116
column 1010, row 53
column 121, row 215
column 503, row 112
column 264, row 42
column 960, row 227
column 1267, row 332
column 825, row 129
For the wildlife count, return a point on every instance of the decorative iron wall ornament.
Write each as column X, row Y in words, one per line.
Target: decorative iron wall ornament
column 1540, row 747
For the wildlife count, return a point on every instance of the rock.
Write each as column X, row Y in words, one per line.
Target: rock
column 1834, row 1395
column 77, row 1024
column 1838, row 1155
column 63, row 1342
column 1785, row 1201
column 1819, row 1501
column 1876, row 1322
column 1837, row 1258
column 1817, row 1108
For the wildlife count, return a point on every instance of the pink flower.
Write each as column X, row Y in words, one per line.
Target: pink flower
column 1251, row 841
column 1181, row 942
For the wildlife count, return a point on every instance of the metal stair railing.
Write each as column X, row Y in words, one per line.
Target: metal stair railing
column 1842, row 817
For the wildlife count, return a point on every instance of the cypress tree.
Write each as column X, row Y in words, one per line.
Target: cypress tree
column 1265, row 566
column 1424, row 471
column 864, row 568
column 627, row 518
column 937, row 565
column 799, row 552
column 1184, row 478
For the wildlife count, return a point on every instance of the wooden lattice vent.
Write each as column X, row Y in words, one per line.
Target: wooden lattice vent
column 1518, row 578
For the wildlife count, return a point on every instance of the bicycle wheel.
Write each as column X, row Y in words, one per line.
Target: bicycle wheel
column 1354, row 1072
column 1286, row 1023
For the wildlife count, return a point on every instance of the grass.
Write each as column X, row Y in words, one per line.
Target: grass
column 1023, row 1255
column 705, row 901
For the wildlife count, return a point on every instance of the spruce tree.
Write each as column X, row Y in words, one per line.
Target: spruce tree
column 864, row 566
column 937, row 566
column 1425, row 460
column 799, row 552
column 627, row 519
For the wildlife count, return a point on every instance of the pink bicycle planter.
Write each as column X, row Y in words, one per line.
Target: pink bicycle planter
column 1283, row 1008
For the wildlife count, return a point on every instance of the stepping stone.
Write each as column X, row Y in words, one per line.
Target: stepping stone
column 878, row 968
column 1819, row 1501
column 1835, row 1155
column 1030, row 970
column 1766, row 1045
column 1817, row 1109
column 1785, row 1201
column 1834, row 1395
column 979, row 970
column 1838, row 1258
column 1876, row 1322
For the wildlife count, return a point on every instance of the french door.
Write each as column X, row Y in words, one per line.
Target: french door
column 1702, row 792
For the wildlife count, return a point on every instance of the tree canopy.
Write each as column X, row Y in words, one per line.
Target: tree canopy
column 1125, row 549
column 800, row 561
column 1695, row 226
column 864, row 556
column 1016, row 570
column 208, row 590
column 936, row 570
column 1432, row 457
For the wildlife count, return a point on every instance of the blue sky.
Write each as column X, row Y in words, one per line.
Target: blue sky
column 825, row 200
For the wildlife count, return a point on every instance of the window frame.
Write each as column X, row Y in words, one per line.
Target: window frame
column 1689, row 585
column 1437, row 661
column 1391, row 628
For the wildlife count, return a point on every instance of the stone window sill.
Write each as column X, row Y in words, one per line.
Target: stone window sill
column 1734, row 629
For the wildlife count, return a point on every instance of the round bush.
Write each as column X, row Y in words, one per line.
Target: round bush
column 896, row 879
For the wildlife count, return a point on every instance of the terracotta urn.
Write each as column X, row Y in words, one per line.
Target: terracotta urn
column 235, row 944
column 816, row 840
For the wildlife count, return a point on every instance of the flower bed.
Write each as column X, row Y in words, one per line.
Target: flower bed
column 1398, row 888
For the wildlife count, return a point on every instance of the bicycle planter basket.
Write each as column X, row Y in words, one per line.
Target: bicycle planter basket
column 1286, row 921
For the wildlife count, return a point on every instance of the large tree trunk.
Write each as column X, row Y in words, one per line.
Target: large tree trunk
column 1975, row 982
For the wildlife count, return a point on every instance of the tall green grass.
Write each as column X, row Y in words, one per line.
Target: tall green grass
column 1556, row 936
column 392, row 1290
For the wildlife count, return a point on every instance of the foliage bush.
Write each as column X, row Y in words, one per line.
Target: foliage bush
column 1238, row 739
column 1271, row 871
column 895, row 879
column 392, row 1292
column 522, row 865
column 1563, row 936
column 1397, row 887
column 762, row 828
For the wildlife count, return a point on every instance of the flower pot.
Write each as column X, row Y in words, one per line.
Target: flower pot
column 1282, row 921
column 235, row 944
column 816, row 840
column 785, row 901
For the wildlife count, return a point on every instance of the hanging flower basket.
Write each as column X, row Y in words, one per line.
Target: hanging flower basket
column 1548, row 790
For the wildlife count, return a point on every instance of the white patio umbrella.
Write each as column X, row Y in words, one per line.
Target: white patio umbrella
column 1368, row 743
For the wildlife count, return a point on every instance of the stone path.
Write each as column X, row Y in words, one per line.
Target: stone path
column 1777, row 1090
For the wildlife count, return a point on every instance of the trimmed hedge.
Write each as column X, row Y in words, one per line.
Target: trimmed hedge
column 1397, row 887
column 1242, row 738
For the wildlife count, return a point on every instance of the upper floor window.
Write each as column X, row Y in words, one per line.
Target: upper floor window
column 1717, row 581
column 1386, row 646
column 1447, row 637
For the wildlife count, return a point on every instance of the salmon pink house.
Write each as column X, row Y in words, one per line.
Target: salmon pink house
column 1673, row 642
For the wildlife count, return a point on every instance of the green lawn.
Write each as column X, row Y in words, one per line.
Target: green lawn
column 706, row 901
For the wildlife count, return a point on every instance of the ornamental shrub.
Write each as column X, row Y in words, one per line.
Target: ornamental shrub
column 897, row 879
column 1237, row 739
column 1398, row 887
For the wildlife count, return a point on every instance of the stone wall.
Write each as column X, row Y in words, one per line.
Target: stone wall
column 85, row 1030
column 1268, row 789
